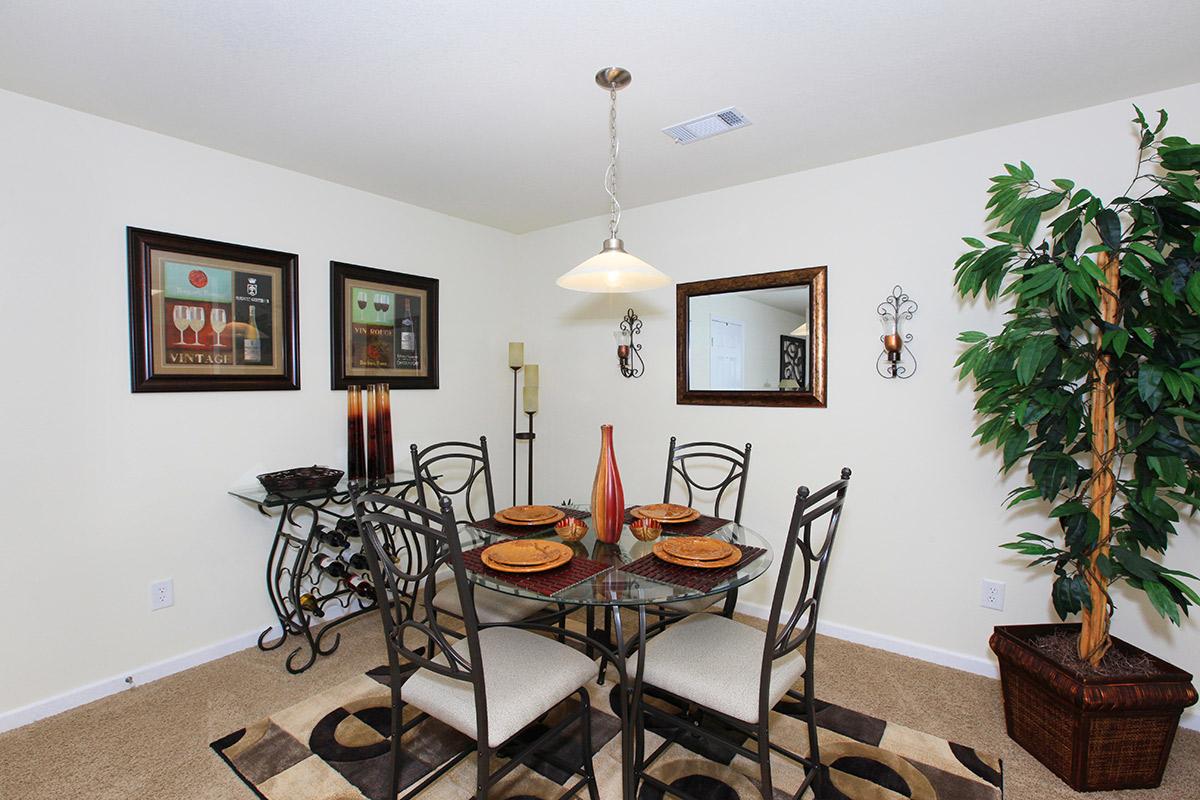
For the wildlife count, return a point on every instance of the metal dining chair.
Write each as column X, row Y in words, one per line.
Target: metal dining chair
column 683, row 460
column 710, row 665
column 450, row 471
column 479, row 684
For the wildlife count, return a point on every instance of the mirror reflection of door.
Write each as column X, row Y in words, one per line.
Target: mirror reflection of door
column 726, row 354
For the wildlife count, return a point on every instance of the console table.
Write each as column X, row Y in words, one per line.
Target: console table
column 292, row 572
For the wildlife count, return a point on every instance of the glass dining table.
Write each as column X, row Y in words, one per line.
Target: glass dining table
column 614, row 589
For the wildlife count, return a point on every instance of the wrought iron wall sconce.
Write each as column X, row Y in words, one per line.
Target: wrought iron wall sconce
column 896, row 360
column 627, row 348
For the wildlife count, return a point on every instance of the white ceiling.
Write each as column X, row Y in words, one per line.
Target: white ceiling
column 487, row 110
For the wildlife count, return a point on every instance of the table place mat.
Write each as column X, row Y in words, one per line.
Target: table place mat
column 577, row 570
column 701, row 526
column 492, row 525
column 703, row 580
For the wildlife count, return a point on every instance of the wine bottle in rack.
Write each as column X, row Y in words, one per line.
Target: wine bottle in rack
column 331, row 537
column 360, row 585
column 333, row 567
column 310, row 604
column 347, row 527
column 359, row 562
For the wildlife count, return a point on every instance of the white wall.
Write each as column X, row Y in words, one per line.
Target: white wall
column 105, row 491
column 925, row 512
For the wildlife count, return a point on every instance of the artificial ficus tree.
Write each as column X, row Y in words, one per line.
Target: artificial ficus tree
column 1093, row 383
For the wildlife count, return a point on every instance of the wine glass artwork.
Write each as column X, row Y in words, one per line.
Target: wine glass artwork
column 220, row 318
column 179, row 316
column 360, row 297
column 196, row 321
column 382, row 303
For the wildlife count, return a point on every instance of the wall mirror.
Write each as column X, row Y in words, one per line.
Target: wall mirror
column 752, row 340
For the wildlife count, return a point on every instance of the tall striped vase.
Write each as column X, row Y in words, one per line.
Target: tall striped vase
column 608, row 499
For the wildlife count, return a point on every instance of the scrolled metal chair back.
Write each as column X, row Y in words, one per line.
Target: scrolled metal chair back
column 405, row 584
column 785, row 635
column 683, row 460
column 451, row 469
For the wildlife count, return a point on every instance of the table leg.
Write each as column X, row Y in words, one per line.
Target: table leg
column 632, row 741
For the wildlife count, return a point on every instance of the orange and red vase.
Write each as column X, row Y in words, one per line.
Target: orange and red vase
column 608, row 499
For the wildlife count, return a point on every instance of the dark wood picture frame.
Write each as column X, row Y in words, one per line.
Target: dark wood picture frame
column 149, row 374
column 424, row 288
column 816, row 397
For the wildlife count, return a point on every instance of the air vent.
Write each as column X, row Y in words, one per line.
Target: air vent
column 723, row 121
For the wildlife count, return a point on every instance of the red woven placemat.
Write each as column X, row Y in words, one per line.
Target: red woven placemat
column 549, row 582
column 703, row 580
column 701, row 526
column 491, row 525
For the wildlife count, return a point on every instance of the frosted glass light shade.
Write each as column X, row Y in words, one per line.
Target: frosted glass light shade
column 613, row 270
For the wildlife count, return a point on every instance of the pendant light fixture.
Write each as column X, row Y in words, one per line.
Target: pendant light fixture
column 613, row 269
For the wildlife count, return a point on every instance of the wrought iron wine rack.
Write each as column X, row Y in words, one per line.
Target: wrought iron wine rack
column 291, row 571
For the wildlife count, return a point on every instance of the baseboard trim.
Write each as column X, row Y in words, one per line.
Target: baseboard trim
column 18, row 717
column 923, row 652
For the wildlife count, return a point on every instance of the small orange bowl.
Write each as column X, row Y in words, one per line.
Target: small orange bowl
column 646, row 530
column 571, row 530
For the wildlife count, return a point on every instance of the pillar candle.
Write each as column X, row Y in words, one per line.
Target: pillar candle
column 516, row 354
column 532, row 375
column 387, row 462
column 531, row 399
column 355, row 459
column 372, row 435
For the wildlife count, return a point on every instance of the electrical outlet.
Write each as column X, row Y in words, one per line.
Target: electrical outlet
column 993, row 595
column 162, row 594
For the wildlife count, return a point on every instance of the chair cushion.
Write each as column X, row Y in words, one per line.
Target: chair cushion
column 490, row 607
column 716, row 661
column 524, row 676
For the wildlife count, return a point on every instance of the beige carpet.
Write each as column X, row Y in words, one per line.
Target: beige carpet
column 151, row 743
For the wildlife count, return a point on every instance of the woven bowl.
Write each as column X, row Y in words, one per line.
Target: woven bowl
column 571, row 530
column 645, row 530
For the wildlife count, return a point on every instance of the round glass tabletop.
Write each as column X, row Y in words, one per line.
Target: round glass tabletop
column 614, row 586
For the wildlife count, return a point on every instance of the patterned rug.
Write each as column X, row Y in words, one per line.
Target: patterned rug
column 335, row 746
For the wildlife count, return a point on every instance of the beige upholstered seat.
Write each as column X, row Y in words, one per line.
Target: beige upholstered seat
column 490, row 607
column 524, row 675
column 716, row 661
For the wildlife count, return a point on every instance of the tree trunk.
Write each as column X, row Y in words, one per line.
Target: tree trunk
column 1093, row 640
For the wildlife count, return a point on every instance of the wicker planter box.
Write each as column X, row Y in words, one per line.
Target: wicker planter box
column 1094, row 733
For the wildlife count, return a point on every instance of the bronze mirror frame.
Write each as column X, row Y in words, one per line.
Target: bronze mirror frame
column 815, row 279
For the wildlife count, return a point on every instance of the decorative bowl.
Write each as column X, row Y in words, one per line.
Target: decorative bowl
column 301, row 479
column 571, row 530
column 645, row 530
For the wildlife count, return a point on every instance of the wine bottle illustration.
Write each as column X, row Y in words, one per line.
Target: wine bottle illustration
column 251, row 343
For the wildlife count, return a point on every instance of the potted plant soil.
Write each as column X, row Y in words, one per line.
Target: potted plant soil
column 1093, row 388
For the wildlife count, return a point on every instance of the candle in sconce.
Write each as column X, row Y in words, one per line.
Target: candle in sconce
column 531, row 399
column 516, row 355
column 532, row 375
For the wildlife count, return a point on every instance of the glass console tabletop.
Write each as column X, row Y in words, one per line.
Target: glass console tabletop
column 257, row 494
column 615, row 587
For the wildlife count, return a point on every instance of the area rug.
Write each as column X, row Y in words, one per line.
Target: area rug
column 335, row 746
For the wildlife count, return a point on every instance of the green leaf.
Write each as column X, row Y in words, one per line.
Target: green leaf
column 972, row 337
column 1162, row 601
column 973, row 242
column 1068, row 508
column 1150, row 384
column 1147, row 252
column 1109, row 226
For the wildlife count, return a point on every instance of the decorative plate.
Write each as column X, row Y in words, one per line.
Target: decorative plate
column 529, row 515
column 733, row 558
column 698, row 548
column 555, row 554
column 666, row 513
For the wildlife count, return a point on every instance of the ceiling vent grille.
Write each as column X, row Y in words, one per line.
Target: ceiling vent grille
column 707, row 126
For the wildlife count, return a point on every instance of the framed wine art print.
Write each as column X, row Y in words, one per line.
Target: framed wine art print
column 383, row 328
column 210, row 316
